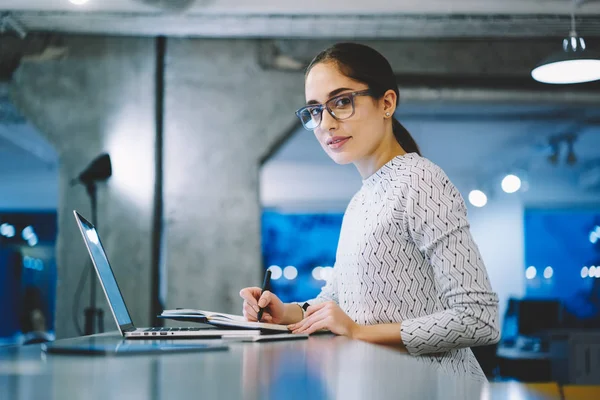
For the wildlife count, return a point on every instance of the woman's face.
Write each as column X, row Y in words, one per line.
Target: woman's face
column 351, row 139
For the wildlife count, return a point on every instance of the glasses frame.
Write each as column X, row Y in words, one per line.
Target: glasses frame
column 325, row 106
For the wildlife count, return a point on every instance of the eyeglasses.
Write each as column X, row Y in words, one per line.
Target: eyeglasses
column 340, row 107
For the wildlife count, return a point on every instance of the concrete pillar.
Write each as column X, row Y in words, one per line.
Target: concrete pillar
column 223, row 115
column 99, row 97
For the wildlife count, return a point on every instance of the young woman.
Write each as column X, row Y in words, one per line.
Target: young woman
column 407, row 270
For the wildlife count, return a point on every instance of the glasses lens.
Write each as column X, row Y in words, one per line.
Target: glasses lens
column 310, row 117
column 342, row 107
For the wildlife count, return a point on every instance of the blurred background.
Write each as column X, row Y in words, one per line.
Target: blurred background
column 213, row 180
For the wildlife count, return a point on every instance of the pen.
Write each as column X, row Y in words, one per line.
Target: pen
column 266, row 286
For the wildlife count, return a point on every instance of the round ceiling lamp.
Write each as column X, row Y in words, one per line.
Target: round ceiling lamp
column 574, row 64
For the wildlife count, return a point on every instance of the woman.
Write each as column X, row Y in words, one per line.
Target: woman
column 407, row 270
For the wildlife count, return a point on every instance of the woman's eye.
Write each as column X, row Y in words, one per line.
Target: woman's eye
column 342, row 102
column 315, row 111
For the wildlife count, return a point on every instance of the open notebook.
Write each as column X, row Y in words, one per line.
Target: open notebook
column 219, row 319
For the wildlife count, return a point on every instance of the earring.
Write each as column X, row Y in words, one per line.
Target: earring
column 387, row 114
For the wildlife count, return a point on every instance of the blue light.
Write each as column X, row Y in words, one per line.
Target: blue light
column 27, row 233
column 7, row 230
column 584, row 272
column 32, row 241
column 33, row 263
column 595, row 234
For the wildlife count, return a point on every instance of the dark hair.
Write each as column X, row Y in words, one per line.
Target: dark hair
column 365, row 64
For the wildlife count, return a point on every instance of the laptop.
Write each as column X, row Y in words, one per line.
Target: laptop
column 117, row 303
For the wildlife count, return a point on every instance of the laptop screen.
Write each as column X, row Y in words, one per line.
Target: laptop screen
column 105, row 273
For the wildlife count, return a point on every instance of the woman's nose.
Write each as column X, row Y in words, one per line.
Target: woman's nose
column 328, row 122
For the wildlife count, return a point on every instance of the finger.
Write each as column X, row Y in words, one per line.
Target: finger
column 313, row 309
column 250, row 312
column 308, row 321
column 248, row 317
column 318, row 316
column 251, row 295
column 318, row 324
column 300, row 324
column 265, row 299
column 322, row 324
column 262, row 317
column 267, row 318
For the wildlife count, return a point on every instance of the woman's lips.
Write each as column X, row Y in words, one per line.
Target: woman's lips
column 337, row 142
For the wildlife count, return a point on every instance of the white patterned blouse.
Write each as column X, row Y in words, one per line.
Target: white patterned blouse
column 406, row 255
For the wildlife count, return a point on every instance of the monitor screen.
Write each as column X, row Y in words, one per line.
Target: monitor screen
column 536, row 316
column 105, row 272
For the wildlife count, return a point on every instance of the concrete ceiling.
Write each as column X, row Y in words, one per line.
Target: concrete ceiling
column 311, row 6
column 308, row 18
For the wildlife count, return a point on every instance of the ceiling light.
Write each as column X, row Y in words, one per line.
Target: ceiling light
column 316, row 273
column 79, row 2
column 290, row 272
column 477, row 198
column 276, row 272
column 575, row 64
column 511, row 183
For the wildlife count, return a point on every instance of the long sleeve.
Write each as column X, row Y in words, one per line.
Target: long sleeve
column 436, row 219
column 328, row 292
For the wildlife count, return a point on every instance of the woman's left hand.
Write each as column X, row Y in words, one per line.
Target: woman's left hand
column 328, row 316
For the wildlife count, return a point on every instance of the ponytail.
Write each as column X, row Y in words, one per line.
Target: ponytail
column 404, row 138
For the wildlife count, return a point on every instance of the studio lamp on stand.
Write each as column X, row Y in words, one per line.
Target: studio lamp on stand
column 99, row 170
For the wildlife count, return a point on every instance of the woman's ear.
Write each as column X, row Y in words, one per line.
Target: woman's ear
column 389, row 102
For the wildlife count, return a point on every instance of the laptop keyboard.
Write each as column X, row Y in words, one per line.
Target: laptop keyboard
column 176, row 329
column 194, row 329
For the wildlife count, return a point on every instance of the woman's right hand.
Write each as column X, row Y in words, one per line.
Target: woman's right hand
column 273, row 307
